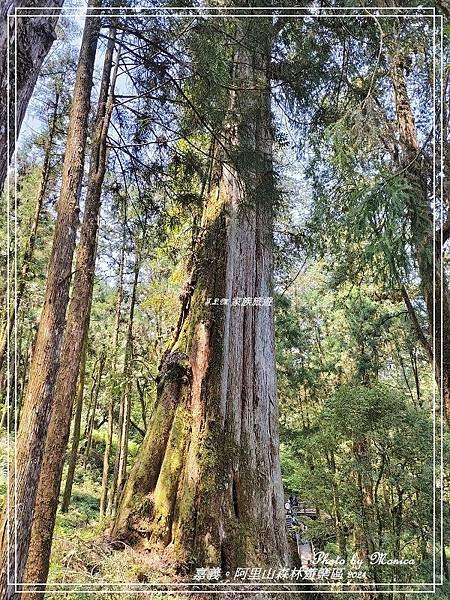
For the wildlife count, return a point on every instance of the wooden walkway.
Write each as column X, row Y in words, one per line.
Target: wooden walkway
column 295, row 523
column 305, row 552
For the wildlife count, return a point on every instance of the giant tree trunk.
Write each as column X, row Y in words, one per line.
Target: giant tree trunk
column 35, row 36
column 206, row 486
column 74, row 336
column 39, row 396
column 432, row 284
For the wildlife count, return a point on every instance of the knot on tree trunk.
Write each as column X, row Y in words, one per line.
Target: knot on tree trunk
column 174, row 368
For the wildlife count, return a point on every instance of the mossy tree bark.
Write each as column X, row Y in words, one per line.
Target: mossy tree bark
column 38, row 399
column 206, row 486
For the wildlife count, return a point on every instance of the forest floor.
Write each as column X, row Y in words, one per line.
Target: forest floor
column 82, row 552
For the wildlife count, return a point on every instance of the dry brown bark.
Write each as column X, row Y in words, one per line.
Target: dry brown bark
column 75, row 333
column 206, row 486
column 35, row 36
column 434, row 286
column 45, row 360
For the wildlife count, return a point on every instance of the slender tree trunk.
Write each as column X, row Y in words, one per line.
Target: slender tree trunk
column 365, row 485
column 434, row 287
column 34, row 37
column 39, row 396
column 445, row 563
column 106, row 457
column 76, row 331
column 104, row 508
column 141, row 392
column 112, row 506
column 206, row 485
column 119, row 298
column 126, row 399
column 20, row 392
column 30, row 244
column 415, row 370
column 397, row 524
column 72, row 462
column 123, row 450
column 341, row 537
column 91, row 423
column 91, row 398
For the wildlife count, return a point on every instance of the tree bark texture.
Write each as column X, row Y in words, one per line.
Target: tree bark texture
column 39, row 395
column 74, row 338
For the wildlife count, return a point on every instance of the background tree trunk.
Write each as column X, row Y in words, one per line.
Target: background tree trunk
column 106, row 458
column 126, row 396
column 95, row 391
column 206, row 485
column 422, row 227
column 31, row 241
column 44, row 365
column 72, row 462
column 113, row 490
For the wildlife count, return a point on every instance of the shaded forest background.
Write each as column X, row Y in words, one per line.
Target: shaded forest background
column 318, row 135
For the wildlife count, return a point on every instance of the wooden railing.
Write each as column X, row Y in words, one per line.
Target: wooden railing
column 302, row 509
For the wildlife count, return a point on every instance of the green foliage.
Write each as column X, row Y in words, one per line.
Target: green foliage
column 343, row 386
column 368, row 216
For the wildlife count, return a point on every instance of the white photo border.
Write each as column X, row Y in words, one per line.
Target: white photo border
column 211, row 12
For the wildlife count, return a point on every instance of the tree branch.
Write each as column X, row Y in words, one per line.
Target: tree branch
column 415, row 322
